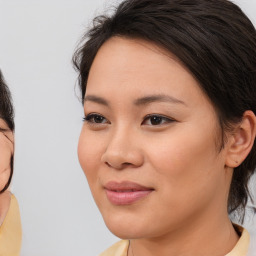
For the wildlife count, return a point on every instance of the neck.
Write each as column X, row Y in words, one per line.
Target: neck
column 210, row 237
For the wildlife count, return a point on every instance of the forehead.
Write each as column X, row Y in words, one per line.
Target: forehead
column 132, row 56
column 125, row 67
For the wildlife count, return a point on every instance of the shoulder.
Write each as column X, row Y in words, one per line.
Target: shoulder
column 13, row 215
column 10, row 231
column 118, row 249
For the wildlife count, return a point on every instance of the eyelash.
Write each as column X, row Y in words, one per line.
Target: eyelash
column 161, row 117
column 90, row 119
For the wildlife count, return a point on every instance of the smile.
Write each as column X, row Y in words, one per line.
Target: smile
column 125, row 193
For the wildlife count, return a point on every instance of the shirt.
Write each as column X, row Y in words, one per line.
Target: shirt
column 10, row 231
column 241, row 248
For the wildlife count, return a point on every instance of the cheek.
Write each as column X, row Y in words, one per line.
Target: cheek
column 90, row 149
column 187, row 163
column 89, row 152
column 182, row 148
column 5, row 168
column 5, row 156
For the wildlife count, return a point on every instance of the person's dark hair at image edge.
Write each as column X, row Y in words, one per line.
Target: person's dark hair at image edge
column 6, row 114
column 213, row 39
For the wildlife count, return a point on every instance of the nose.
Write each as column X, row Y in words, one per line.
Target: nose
column 123, row 150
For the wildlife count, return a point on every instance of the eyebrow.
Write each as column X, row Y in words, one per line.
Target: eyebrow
column 96, row 99
column 140, row 101
column 157, row 98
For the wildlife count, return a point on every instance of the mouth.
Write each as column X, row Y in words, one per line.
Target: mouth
column 126, row 193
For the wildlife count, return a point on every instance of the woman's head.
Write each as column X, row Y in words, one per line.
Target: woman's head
column 212, row 40
column 6, row 135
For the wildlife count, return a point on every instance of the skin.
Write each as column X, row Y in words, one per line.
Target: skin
column 186, row 213
column 6, row 151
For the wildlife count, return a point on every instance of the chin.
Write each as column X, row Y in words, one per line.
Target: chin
column 125, row 232
column 125, row 227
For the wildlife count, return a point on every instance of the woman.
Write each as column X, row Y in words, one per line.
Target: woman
column 167, row 146
column 10, row 225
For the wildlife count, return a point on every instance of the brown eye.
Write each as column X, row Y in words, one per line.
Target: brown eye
column 96, row 119
column 156, row 120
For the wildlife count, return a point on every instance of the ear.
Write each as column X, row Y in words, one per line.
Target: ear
column 241, row 140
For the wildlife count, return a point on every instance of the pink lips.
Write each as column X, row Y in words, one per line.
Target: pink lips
column 126, row 192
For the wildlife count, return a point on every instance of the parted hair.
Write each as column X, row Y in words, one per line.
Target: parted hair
column 213, row 39
column 7, row 114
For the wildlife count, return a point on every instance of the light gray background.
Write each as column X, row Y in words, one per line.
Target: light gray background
column 37, row 39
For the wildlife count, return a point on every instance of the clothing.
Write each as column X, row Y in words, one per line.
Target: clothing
column 242, row 246
column 10, row 231
column 241, row 249
column 118, row 249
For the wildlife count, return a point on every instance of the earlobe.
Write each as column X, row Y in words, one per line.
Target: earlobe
column 241, row 140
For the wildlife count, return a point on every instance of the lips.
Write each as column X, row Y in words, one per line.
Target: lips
column 125, row 193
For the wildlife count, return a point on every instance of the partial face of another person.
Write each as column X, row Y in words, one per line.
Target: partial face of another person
column 149, row 143
column 6, row 151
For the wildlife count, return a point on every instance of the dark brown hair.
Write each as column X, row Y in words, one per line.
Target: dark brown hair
column 7, row 114
column 214, row 39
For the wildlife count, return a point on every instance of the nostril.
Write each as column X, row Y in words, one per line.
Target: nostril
column 126, row 164
column 107, row 164
column 121, row 158
column 117, row 165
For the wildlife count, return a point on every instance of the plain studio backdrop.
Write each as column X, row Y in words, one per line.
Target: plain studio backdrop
column 37, row 40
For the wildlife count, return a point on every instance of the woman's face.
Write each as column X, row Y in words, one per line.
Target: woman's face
column 6, row 151
column 148, row 146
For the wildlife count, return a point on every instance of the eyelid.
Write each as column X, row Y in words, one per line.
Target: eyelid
column 87, row 118
column 166, row 118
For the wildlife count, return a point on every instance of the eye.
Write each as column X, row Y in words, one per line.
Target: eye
column 95, row 119
column 156, row 120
